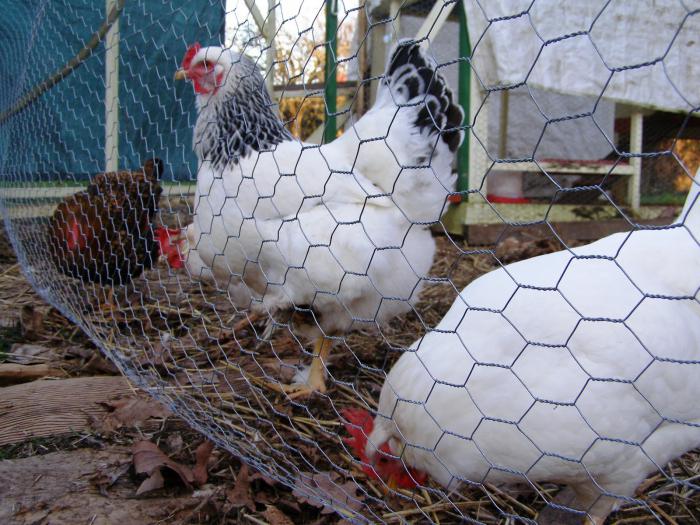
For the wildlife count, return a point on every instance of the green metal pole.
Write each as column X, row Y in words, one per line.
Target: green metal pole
column 464, row 94
column 331, row 80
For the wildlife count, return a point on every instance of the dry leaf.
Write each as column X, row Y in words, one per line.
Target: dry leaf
column 259, row 476
column 97, row 363
column 201, row 459
column 154, row 354
column 153, row 482
column 275, row 516
column 239, row 495
column 29, row 354
column 149, row 460
column 31, row 322
column 80, row 351
column 174, row 443
column 108, row 475
column 329, row 489
column 130, row 412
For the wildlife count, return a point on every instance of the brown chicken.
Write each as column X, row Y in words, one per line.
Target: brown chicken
column 105, row 234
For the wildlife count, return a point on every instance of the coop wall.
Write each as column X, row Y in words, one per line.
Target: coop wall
column 575, row 139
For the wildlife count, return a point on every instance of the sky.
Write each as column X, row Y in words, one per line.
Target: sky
column 294, row 16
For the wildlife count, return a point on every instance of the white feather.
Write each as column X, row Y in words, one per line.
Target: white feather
column 540, row 366
column 341, row 227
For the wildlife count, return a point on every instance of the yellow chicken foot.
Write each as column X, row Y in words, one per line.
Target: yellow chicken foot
column 317, row 374
column 110, row 309
column 109, row 306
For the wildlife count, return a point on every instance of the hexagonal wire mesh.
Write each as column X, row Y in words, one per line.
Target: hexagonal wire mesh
column 321, row 286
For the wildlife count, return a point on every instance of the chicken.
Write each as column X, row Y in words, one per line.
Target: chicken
column 104, row 234
column 322, row 239
column 577, row 367
column 386, row 468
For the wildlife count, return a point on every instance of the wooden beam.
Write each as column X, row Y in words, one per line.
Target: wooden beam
column 503, row 124
column 395, row 15
column 481, row 213
column 377, row 59
column 490, row 234
column 360, row 105
column 435, row 20
column 269, row 30
column 11, row 373
column 258, row 18
column 112, row 93
column 464, row 95
column 52, row 407
column 572, row 167
column 635, row 183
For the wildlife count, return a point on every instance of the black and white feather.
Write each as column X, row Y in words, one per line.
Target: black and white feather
column 340, row 230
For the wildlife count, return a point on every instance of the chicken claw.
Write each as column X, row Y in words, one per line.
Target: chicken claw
column 316, row 381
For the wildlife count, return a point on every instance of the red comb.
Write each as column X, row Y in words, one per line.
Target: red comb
column 169, row 244
column 392, row 471
column 75, row 239
column 189, row 55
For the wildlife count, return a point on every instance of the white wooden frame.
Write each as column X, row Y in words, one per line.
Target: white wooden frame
column 112, row 92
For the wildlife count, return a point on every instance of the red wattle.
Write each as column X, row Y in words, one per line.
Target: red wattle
column 74, row 236
column 169, row 245
column 389, row 470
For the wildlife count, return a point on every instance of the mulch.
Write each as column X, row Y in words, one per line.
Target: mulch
column 174, row 338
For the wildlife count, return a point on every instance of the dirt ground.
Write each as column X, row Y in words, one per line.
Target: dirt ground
column 79, row 444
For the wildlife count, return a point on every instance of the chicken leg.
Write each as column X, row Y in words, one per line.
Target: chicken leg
column 570, row 498
column 316, row 381
column 108, row 306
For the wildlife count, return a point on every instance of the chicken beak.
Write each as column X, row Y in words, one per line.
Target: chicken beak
column 181, row 74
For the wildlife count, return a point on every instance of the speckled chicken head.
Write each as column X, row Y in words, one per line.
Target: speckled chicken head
column 208, row 68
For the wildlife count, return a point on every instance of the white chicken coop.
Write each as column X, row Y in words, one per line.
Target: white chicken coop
column 547, row 96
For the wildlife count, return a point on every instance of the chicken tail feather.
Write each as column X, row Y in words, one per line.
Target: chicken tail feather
column 422, row 127
column 412, row 77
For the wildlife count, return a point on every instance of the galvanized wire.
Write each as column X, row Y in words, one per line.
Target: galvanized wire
column 521, row 378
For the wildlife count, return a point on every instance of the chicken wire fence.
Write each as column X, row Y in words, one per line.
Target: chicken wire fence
column 310, row 308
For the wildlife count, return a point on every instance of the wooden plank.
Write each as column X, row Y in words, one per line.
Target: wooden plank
column 258, row 18
column 435, row 20
column 43, row 202
column 269, row 31
column 394, row 14
column 61, row 488
column 52, row 407
column 11, row 373
column 573, row 167
column 490, row 234
column 60, row 191
column 635, row 183
column 477, row 135
column 378, row 57
column 347, row 87
column 112, row 93
column 481, row 212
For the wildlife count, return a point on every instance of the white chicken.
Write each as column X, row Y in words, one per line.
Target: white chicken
column 325, row 238
column 578, row 367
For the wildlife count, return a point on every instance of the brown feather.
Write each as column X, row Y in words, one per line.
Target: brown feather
column 104, row 234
